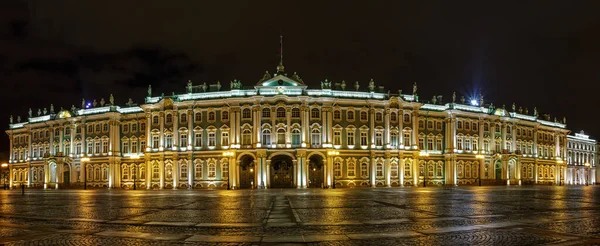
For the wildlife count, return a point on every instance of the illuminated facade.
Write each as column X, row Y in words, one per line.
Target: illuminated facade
column 582, row 159
column 280, row 133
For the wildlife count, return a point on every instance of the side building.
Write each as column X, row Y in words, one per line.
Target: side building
column 582, row 159
column 280, row 133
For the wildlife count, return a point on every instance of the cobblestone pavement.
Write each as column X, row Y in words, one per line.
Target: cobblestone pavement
column 514, row 215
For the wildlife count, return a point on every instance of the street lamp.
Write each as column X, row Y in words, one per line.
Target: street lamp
column 481, row 157
column 4, row 165
column 587, row 166
column 228, row 154
column 135, row 171
column 83, row 161
column 424, row 154
column 333, row 153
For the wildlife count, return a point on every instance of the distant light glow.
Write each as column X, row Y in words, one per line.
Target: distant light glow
column 88, row 105
column 474, row 102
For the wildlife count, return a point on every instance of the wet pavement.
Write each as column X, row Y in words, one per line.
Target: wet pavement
column 527, row 215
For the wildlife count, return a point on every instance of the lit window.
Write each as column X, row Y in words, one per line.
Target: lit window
column 350, row 136
column 363, row 116
column 363, row 139
column 225, row 116
column 266, row 113
column 350, row 116
column 315, row 114
column 183, row 117
column 169, row 119
column 337, row 115
column 337, row 137
column 246, row 113
column 280, row 113
column 211, row 116
column 295, row 113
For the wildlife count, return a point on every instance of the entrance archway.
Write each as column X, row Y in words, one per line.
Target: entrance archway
column 66, row 175
column 282, row 172
column 498, row 171
column 316, row 171
column 247, row 171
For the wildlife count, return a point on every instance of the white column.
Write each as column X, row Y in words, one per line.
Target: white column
column 401, row 171
column 388, row 172
column 415, row 132
column 372, row 126
column 373, row 172
column 176, row 129
column 386, row 140
column 162, row 135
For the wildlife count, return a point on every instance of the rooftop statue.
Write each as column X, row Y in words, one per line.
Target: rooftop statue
column 111, row 100
column 514, row 107
column 218, row 85
column 343, row 85
column 356, row 86
column 480, row 100
column 415, row 88
column 453, row 97
column 149, row 90
column 462, row 99
column 45, row 111
column 73, row 109
column 371, row 85
column 18, row 119
column 39, row 112
column 535, row 112
column 520, row 109
column 565, row 120
column 434, row 100
column 52, row 108
column 30, row 113
column 102, row 102
column 11, row 119
column 83, row 103
column 526, row 111
column 204, row 87
column 94, row 103
column 189, row 86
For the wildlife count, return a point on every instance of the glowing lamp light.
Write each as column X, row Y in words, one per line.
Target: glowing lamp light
column 88, row 105
column 474, row 102
column 4, row 165
column 479, row 156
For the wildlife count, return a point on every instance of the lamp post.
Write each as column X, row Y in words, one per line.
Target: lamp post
column 228, row 154
column 480, row 157
column 135, row 171
column 83, row 161
column 587, row 166
column 426, row 169
column 333, row 153
column 3, row 166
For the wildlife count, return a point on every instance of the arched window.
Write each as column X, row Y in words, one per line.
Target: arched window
column 314, row 113
column 379, row 117
column 281, row 136
column 155, row 120
column 198, row 171
column 468, row 170
column 104, row 173
column 337, row 115
column 198, row 116
column 246, row 113
column 406, row 118
column 169, row 119
column 184, row 171
column 246, row 137
column 351, row 169
column 460, row 171
column 125, row 173
column 315, row 137
column 295, row 113
column 364, row 170
column 142, row 172
column 183, row 117
column 211, row 116
column 96, row 173
column 379, row 169
column 266, row 113
column 438, row 170
column 266, row 137
column 212, row 170
column 296, row 137
column 337, row 168
column 363, row 115
column 280, row 113
column 394, row 170
column 225, row 169
column 350, row 116
column 393, row 116
column 169, row 171
column 225, row 116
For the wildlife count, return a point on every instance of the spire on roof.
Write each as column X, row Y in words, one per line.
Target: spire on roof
column 280, row 67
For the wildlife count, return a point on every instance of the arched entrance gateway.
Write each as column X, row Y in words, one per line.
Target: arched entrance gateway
column 247, row 172
column 281, row 172
column 316, row 171
column 66, row 175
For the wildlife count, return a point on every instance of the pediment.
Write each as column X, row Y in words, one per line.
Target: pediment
column 280, row 80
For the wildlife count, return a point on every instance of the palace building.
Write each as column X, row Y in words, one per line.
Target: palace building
column 279, row 133
column 582, row 158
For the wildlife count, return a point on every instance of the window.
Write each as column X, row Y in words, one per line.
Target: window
column 406, row 169
column 394, row 138
column 296, row 137
column 474, row 126
column 134, row 127
column 142, row 145
column 280, row 113
column 351, row 169
column 315, row 137
column 394, row 170
column 184, row 171
column 421, row 124
column 467, row 126
column 378, row 117
column 266, row 113
column 314, row 113
column 475, row 144
column 198, row 117
column 364, row 170
column 105, row 146
column 125, row 173
column 337, row 138
column 295, row 113
column 246, row 113
column 212, row 170
column 198, row 139
column 337, row 115
column 430, row 141
column 225, row 170
column 337, row 169
column 125, row 147
column 183, row 141
column 225, row 116
column 438, row 126
column 393, row 116
column 67, row 131
column 363, row 139
column 155, row 171
column 198, row 171
column 246, row 137
column 460, row 125
column 155, row 120
column 90, row 147
column 350, row 116
column 225, row 139
column 56, row 134
column 459, row 142
column 266, row 137
column 211, row 116
column 142, row 172
column 280, row 136
column 406, row 118
column 363, row 116
column 467, row 143
column 498, row 128
column 155, row 140
column 168, row 171
column 126, row 128
column 406, row 138
column 430, row 125
column 379, row 169
column 134, row 147
column 438, row 170
column 212, row 141
column 438, row 144
column 183, row 118
column 350, row 136
column 105, row 127
column 379, row 138
column 421, row 142
column 486, row 127
column 168, row 141
column 169, row 119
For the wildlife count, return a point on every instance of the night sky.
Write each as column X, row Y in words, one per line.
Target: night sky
column 533, row 53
